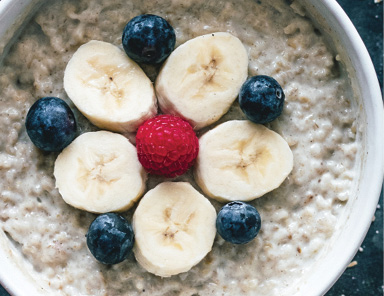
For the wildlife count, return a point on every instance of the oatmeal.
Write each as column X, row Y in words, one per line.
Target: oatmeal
column 299, row 219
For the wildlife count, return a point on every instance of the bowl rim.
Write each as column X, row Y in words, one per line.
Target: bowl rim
column 10, row 9
column 371, row 185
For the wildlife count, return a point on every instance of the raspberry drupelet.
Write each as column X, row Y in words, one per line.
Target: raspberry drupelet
column 166, row 145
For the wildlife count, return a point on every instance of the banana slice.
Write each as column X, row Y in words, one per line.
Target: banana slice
column 99, row 172
column 174, row 228
column 110, row 89
column 202, row 77
column 240, row 160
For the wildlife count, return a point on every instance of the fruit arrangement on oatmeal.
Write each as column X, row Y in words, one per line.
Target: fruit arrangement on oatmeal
column 102, row 172
column 170, row 154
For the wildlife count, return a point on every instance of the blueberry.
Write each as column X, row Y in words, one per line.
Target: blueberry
column 50, row 124
column 110, row 238
column 148, row 39
column 261, row 98
column 238, row 222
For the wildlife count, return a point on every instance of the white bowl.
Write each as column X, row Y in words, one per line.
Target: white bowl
column 335, row 22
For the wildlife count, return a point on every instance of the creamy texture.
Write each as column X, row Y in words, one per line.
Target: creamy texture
column 299, row 219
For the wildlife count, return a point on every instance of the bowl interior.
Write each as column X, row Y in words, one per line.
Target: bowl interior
column 365, row 85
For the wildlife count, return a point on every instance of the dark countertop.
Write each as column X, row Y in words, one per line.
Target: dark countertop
column 365, row 278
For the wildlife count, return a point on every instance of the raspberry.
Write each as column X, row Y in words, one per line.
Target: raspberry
column 166, row 145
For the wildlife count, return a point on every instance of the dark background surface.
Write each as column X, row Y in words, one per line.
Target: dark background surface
column 365, row 278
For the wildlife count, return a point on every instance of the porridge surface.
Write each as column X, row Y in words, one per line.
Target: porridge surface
column 299, row 218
